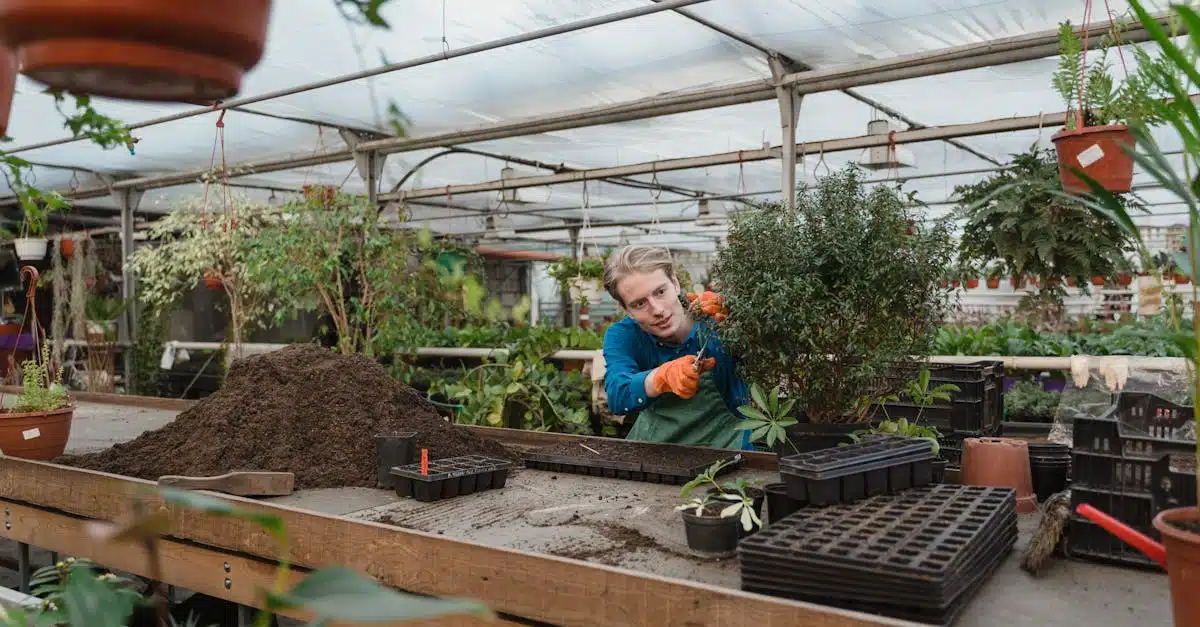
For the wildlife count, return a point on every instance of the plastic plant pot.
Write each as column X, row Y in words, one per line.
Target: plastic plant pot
column 1001, row 463
column 779, row 504
column 712, row 534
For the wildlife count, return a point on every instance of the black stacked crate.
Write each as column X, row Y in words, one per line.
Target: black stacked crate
column 919, row 555
column 1122, row 466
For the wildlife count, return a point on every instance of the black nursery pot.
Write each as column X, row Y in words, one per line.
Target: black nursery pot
column 779, row 504
column 939, row 471
column 712, row 534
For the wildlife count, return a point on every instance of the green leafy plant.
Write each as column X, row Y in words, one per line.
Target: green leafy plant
column 733, row 498
column 826, row 297
column 575, row 274
column 902, row 428
column 919, row 392
column 1028, row 402
column 84, row 597
column 1016, row 218
column 41, row 390
column 768, row 418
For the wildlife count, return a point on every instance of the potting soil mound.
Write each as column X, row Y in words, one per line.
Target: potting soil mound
column 301, row 409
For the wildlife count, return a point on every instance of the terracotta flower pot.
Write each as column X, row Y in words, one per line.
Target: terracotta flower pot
column 212, row 281
column 68, row 247
column 1124, row 279
column 36, row 435
column 972, row 283
column 1181, row 279
column 1180, row 531
column 1070, row 282
column 1001, row 463
column 993, row 283
column 1098, row 281
column 956, row 283
column 1017, row 283
column 8, row 86
column 1099, row 151
column 162, row 50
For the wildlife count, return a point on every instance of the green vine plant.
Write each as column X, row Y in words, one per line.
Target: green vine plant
column 572, row 274
column 768, row 418
column 924, row 397
column 734, row 498
column 77, row 595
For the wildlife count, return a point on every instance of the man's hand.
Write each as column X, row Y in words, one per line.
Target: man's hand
column 681, row 376
column 710, row 303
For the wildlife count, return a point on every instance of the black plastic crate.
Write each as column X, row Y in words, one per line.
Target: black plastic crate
column 1138, row 425
column 977, row 408
column 451, row 477
column 879, row 465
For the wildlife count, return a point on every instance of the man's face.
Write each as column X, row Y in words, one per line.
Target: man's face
column 652, row 299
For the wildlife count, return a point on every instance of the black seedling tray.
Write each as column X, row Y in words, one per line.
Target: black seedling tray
column 831, row 582
column 924, row 533
column 887, row 476
column 451, row 477
column 944, row 617
column 648, row 471
column 836, row 462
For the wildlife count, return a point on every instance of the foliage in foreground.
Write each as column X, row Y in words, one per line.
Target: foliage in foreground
column 75, row 594
column 848, row 273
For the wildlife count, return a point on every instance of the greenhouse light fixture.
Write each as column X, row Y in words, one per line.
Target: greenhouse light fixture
column 888, row 156
column 705, row 216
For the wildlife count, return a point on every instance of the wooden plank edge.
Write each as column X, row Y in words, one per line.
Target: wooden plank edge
column 187, row 566
column 538, row 587
column 124, row 400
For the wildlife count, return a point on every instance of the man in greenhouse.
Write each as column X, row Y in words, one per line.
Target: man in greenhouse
column 666, row 363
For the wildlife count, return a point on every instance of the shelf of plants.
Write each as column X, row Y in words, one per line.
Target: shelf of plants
column 1131, row 463
column 918, row 555
column 625, row 459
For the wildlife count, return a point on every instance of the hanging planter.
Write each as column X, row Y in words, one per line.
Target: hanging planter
column 1099, row 151
column 138, row 49
column 67, row 246
column 31, row 248
column 8, row 86
column 212, row 280
column 40, row 435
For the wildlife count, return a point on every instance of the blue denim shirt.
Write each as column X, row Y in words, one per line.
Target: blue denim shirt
column 630, row 353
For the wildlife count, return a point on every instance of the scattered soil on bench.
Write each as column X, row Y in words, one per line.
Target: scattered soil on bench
column 624, row 542
column 679, row 459
column 301, row 409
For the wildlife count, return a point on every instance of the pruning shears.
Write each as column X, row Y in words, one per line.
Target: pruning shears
column 699, row 356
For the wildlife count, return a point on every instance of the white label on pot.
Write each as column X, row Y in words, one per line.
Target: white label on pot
column 30, row 434
column 1090, row 156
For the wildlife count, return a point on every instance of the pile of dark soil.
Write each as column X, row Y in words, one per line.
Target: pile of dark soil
column 301, row 409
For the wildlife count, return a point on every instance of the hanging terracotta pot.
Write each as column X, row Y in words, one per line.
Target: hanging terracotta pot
column 213, row 281
column 1098, row 151
column 1180, row 531
column 993, row 283
column 40, row 435
column 1098, row 281
column 8, row 85
column 159, row 50
column 67, row 245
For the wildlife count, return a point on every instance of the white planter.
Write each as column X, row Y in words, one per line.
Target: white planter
column 586, row 288
column 31, row 248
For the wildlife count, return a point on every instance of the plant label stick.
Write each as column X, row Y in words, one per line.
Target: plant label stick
column 424, row 461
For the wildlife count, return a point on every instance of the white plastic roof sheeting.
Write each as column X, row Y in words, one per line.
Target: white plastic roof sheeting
column 638, row 58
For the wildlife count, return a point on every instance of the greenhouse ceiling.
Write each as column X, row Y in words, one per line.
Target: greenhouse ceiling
column 668, row 55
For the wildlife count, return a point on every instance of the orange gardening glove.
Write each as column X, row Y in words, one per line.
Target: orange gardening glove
column 681, row 376
column 710, row 303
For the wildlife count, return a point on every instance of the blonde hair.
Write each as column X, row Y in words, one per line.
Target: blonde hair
column 636, row 259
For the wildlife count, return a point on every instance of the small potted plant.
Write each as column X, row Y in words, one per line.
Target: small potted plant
column 715, row 521
column 38, row 424
column 36, row 207
column 102, row 315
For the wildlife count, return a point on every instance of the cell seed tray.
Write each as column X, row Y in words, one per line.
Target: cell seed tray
column 632, row 460
column 883, row 465
column 451, row 477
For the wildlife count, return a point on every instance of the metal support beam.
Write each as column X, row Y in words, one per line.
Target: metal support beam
column 127, row 201
column 931, row 133
column 789, row 114
column 998, row 52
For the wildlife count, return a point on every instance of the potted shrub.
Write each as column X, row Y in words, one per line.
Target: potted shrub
column 1096, row 136
column 1058, row 236
column 827, row 295
column 102, row 315
column 130, row 42
column 38, row 423
column 1179, row 527
column 727, row 512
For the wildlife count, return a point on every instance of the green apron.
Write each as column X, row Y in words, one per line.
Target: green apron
column 703, row 420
